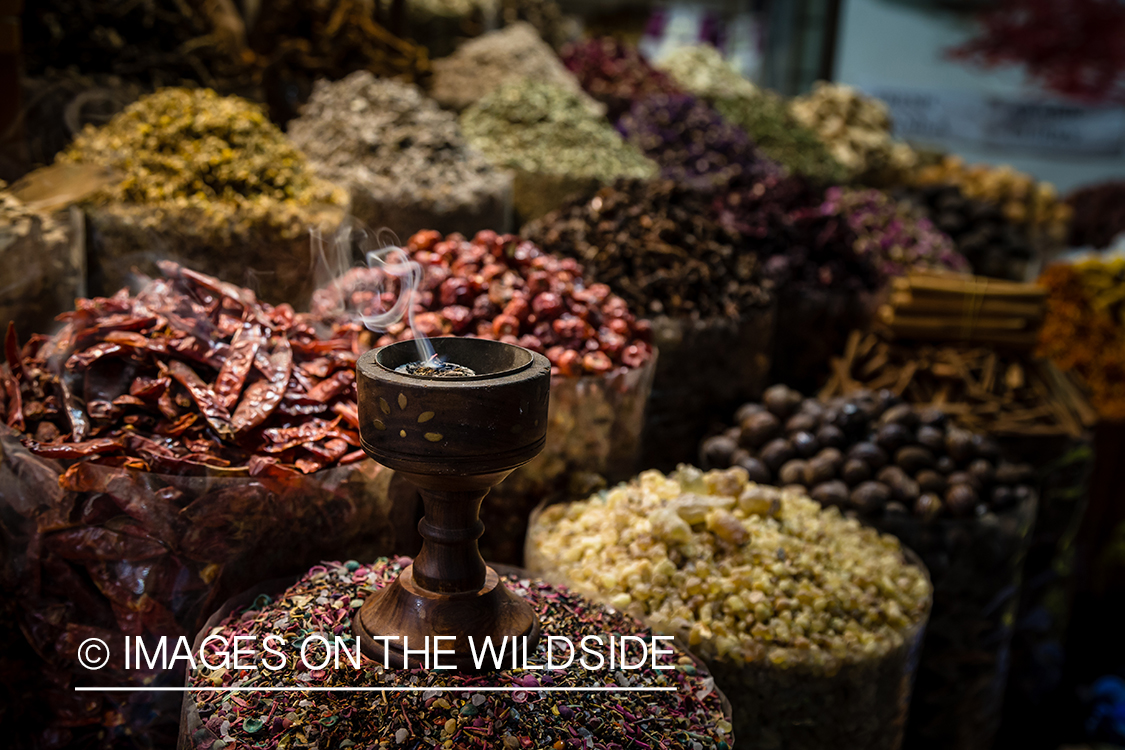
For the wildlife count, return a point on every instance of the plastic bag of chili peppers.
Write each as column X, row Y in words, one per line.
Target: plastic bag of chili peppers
column 502, row 287
column 161, row 452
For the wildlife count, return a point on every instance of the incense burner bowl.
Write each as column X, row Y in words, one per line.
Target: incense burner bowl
column 454, row 438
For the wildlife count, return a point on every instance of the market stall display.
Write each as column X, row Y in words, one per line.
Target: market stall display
column 615, row 73
column 44, row 262
column 403, row 160
column 509, row 55
column 500, row 287
column 1098, row 214
column 895, row 561
column 947, row 493
column 553, row 142
column 764, row 115
column 655, row 245
column 807, row 620
column 447, row 708
column 160, row 453
column 857, row 131
column 207, row 181
column 1083, row 331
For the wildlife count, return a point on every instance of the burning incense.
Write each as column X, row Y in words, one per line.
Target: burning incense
column 435, row 367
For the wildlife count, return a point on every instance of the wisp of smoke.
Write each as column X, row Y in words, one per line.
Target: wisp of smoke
column 395, row 262
column 330, row 267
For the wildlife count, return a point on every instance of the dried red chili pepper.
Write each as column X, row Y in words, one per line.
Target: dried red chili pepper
column 232, row 375
column 191, row 371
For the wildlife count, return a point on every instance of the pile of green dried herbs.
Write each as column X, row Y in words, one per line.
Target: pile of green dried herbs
column 403, row 158
column 763, row 114
column 482, row 65
column 194, row 149
column 543, row 128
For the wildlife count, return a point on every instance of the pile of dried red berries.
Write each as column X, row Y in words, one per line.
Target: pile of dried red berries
column 498, row 287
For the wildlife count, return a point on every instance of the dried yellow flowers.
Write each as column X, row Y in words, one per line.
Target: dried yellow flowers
column 194, row 149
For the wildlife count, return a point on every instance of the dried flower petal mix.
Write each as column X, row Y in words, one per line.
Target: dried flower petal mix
column 893, row 235
column 445, row 709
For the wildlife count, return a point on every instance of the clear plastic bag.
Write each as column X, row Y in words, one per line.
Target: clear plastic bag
column 801, row 700
column 976, row 566
column 856, row 703
column 275, row 263
column 706, row 369
column 593, row 439
column 100, row 551
column 44, row 269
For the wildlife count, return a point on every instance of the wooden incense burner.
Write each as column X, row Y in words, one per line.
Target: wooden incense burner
column 454, row 438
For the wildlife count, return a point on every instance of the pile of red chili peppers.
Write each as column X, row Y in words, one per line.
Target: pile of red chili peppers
column 190, row 375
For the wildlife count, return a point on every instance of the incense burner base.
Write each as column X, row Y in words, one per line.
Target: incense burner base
column 404, row 610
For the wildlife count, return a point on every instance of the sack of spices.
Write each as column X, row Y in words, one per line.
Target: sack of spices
column 1022, row 200
column 556, row 146
column 656, row 245
column 401, row 157
column 207, row 181
column 44, row 262
column 501, row 287
column 694, row 144
column 162, row 451
column 615, row 73
column 947, row 494
column 482, row 65
column 809, row 622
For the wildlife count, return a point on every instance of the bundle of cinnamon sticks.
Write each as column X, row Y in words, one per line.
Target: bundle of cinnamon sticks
column 949, row 307
column 984, row 390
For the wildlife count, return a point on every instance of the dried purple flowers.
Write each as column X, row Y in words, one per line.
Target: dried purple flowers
column 692, row 143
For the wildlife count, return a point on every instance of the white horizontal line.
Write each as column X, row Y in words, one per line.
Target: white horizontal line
column 298, row 689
